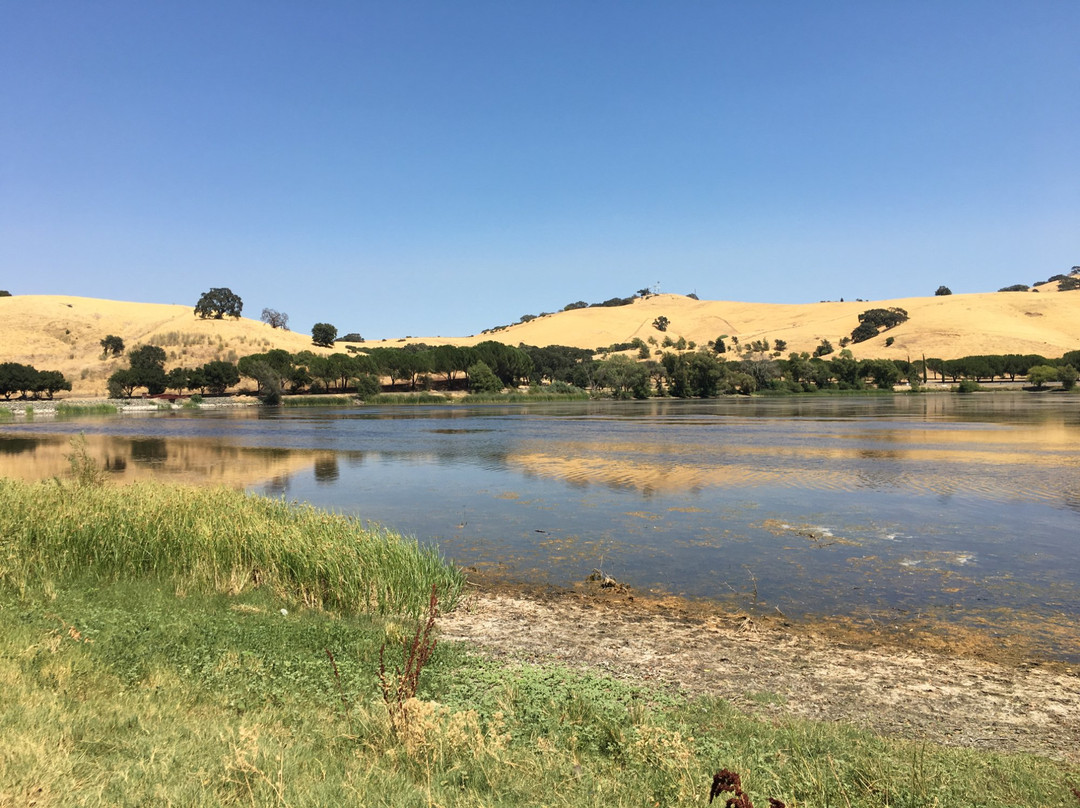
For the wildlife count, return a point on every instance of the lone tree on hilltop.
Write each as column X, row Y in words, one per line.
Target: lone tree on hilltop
column 218, row 303
column 275, row 319
column 943, row 290
column 323, row 334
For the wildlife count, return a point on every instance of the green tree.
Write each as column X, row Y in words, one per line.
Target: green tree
column 482, row 379
column 943, row 290
column 1041, row 374
column 50, row 382
column 323, row 334
column 1067, row 375
column 177, row 379
column 122, row 383
column 219, row 375
column 112, row 345
column 624, row 377
column 5, row 293
column 148, row 366
column 873, row 321
column 661, row 323
column 219, row 303
column 824, row 348
column 16, row 378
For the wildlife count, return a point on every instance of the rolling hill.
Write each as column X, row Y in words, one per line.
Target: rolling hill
column 63, row 333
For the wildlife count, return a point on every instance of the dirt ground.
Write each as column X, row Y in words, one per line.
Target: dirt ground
column 974, row 695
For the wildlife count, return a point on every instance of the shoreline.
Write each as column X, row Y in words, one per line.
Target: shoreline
column 777, row 668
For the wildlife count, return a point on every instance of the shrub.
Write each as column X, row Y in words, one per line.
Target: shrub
column 943, row 290
column 968, row 386
column 1016, row 287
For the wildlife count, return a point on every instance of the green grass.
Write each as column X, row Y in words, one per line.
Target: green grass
column 166, row 645
column 317, row 401
column 6, row 415
column 528, row 397
column 408, row 398
column 214, row 540
column 130, row 695
column 77, row 410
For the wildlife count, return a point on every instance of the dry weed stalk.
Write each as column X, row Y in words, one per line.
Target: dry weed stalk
column 401, row 686
column 726, row 780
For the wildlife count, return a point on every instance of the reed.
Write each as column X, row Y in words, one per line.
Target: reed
column 317, row 401
column 408, row 398
column 76, row 410
column 216, row 540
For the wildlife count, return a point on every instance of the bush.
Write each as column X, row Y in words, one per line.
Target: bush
column 1016, row 287
column 943, row 290
column 968, row 386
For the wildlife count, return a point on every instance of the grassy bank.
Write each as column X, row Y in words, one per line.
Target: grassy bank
column 130, row 695
column 210, row 540
column 166, row 645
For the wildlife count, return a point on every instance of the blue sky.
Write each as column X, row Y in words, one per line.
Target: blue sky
column 436, row 168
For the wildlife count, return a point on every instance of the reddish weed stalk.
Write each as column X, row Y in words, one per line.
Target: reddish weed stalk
column 725, row 780
column 402, row 685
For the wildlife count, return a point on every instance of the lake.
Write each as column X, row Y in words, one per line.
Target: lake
column 897, row 510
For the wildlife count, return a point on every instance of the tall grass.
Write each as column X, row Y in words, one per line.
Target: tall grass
column 532, row 395
column 317, row 401
column 6, row 415
column 76, row 410
column 408, row 398
column 213, row 540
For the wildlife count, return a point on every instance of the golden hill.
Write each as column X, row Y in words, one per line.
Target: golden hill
column 56, row 332
column 64, row 333
column 945, row 327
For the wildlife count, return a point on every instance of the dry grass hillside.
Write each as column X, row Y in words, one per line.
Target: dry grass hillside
column 945, row 327
column 64, row 333
column 53, row 332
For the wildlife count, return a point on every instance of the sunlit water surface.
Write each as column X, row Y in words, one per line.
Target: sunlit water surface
column 880, row 509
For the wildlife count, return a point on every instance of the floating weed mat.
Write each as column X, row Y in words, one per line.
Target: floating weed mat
column 214, row 540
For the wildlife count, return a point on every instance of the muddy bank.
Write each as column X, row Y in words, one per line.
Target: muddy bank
column 775, row 668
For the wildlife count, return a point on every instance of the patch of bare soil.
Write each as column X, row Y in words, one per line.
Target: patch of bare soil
column 775, row 668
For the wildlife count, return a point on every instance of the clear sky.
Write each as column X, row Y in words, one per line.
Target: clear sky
column 437, row 168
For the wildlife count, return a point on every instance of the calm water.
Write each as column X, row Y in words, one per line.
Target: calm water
column 884, row 509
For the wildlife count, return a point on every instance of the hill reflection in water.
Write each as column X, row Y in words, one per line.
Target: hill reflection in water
column 884, row 509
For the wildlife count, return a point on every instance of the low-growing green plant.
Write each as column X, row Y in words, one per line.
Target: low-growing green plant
column 968, row 386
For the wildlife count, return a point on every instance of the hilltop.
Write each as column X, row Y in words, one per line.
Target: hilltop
column 63, row 333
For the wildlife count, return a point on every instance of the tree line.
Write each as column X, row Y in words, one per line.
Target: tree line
column 493, row 366
column 29, row 382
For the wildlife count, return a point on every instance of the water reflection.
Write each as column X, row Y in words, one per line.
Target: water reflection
column 886, row 507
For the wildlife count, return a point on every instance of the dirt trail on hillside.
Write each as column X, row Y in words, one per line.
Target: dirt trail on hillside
column 775, row 668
